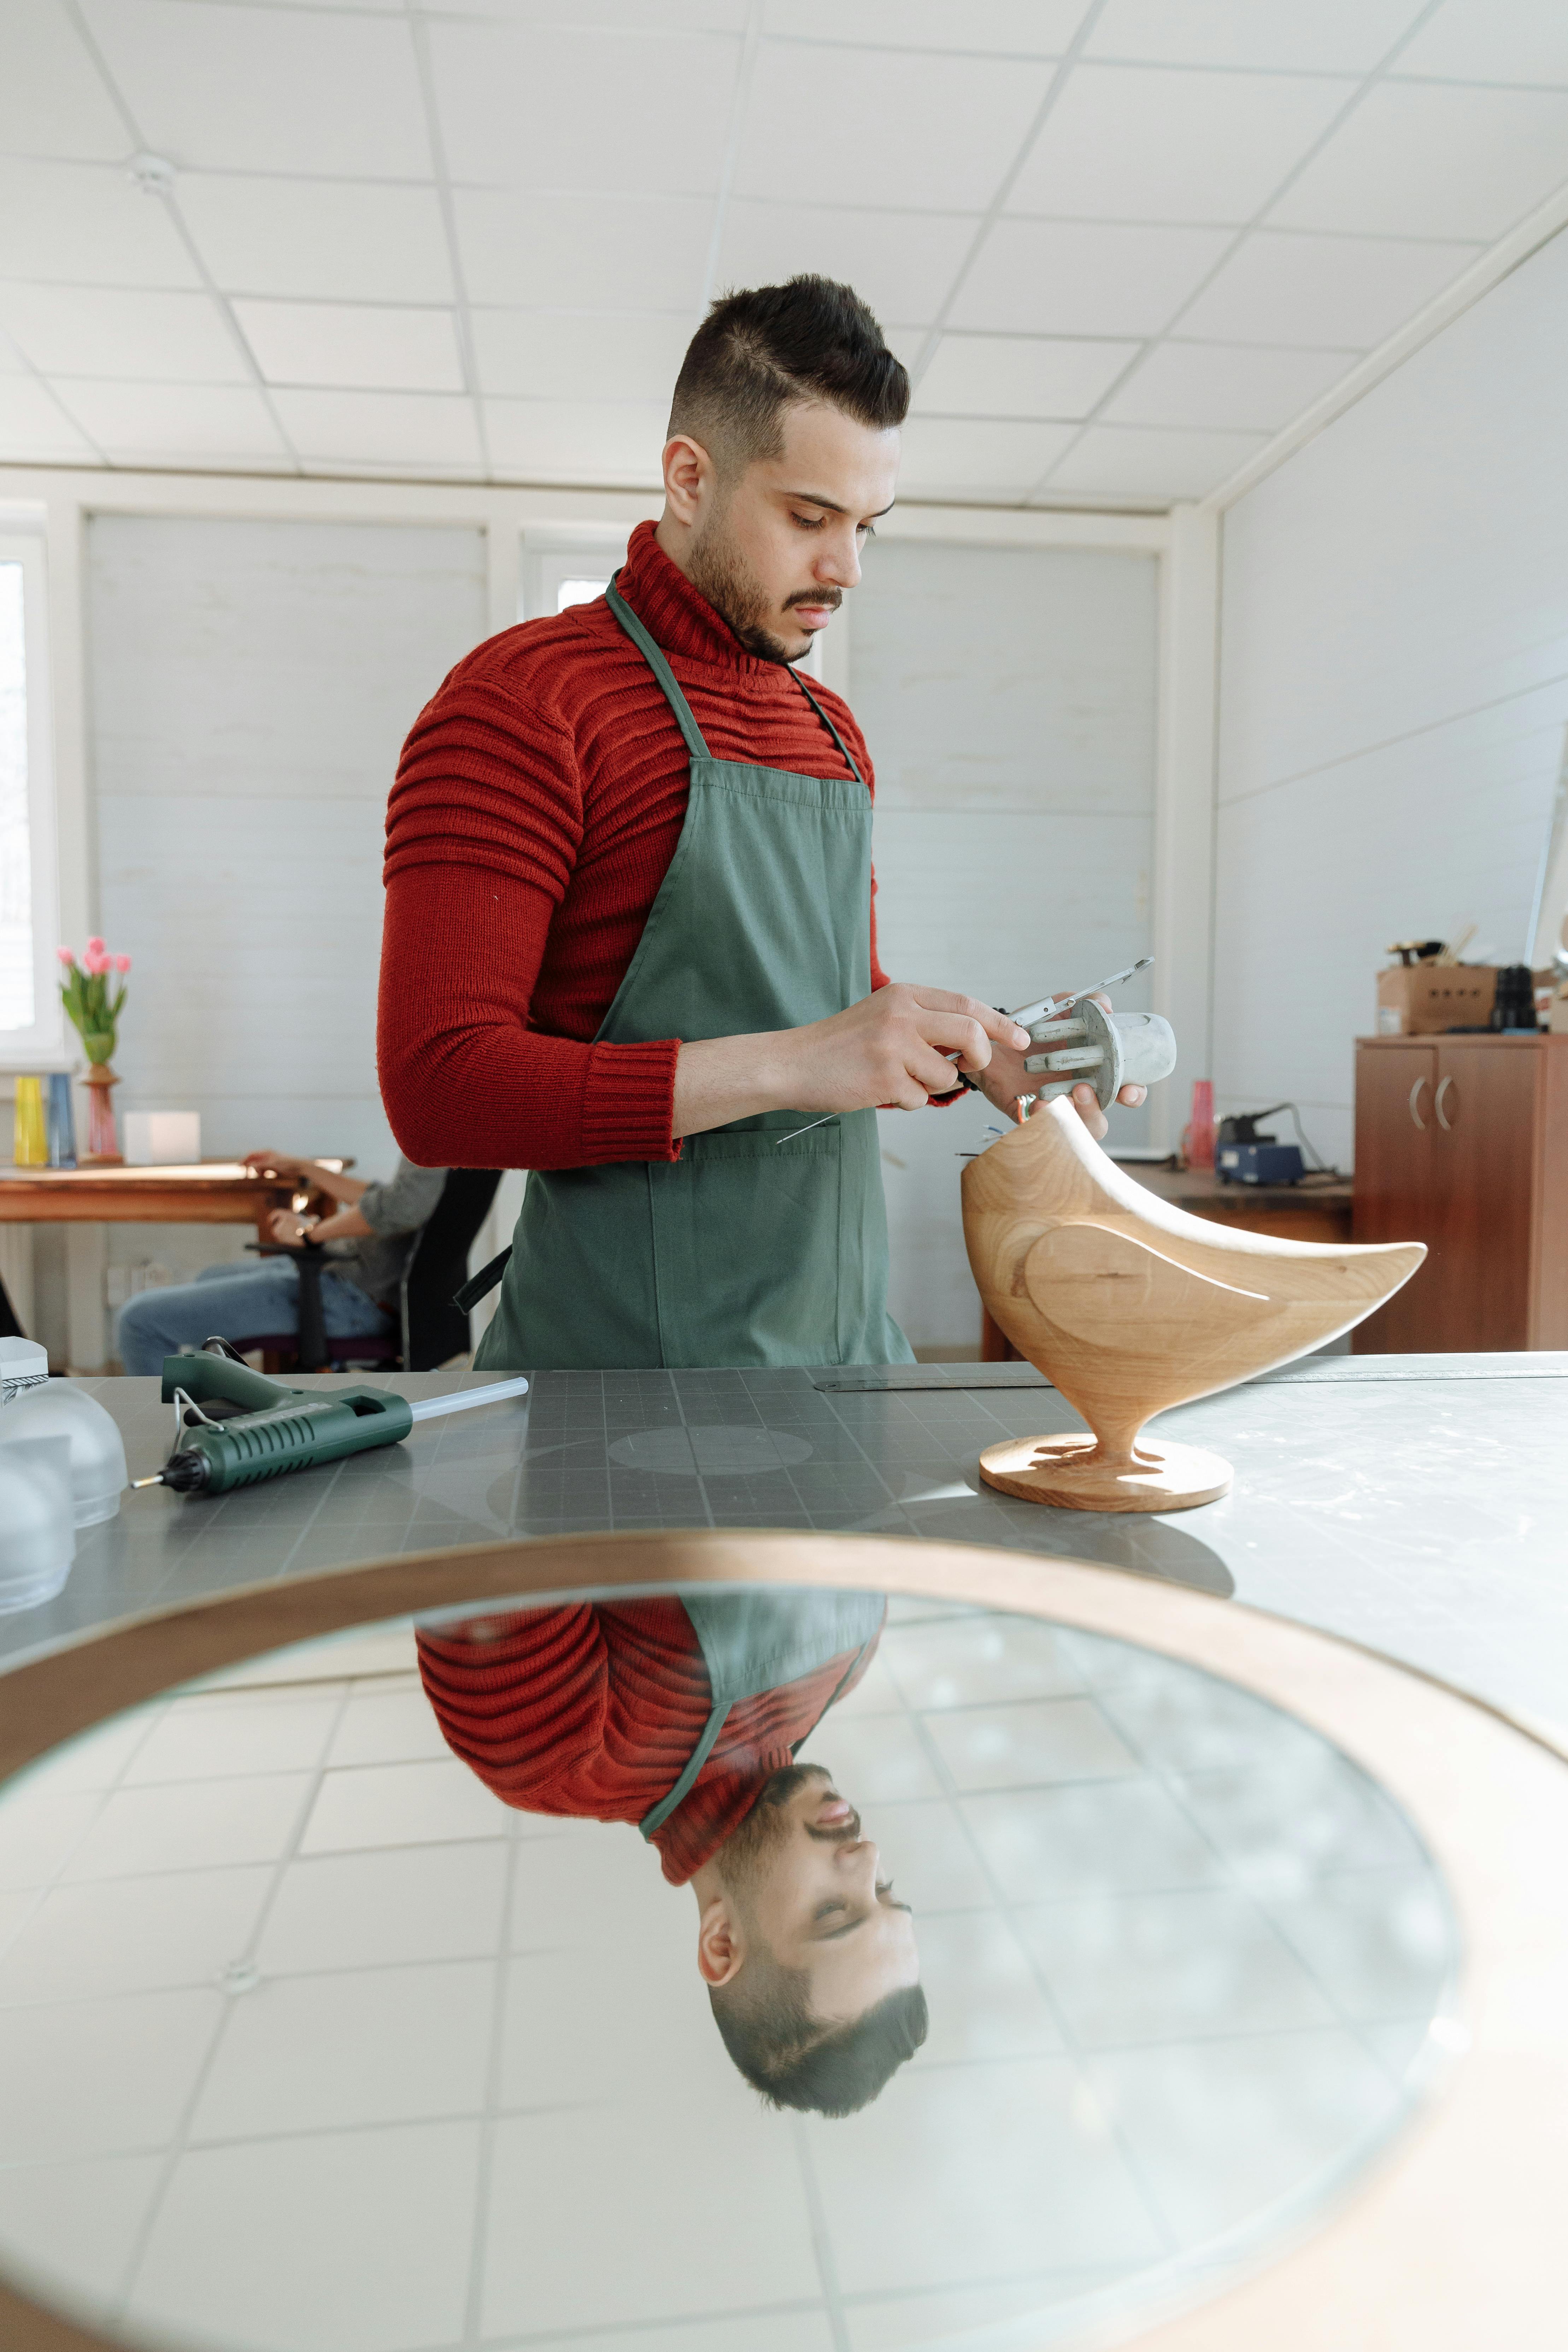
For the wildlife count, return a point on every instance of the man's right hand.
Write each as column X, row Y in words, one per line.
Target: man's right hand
column 891, row 1049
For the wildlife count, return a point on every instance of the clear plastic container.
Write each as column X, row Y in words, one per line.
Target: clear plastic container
column 59, row 1409
column 38, row 1530
column 23, row 1365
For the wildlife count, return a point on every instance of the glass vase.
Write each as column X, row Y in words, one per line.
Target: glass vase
column 102, row 1143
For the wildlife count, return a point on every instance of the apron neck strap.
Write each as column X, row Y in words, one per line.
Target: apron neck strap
column 677, row 700
column 849, row 755
column 660, row 669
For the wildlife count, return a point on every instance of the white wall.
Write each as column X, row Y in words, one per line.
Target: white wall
column 1394, row 690
column 251, row 685
column 1009, row 697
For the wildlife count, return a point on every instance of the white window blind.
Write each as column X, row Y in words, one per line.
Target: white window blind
column 30, row 1027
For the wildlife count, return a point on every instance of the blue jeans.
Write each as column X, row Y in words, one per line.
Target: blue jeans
column 239, row 1302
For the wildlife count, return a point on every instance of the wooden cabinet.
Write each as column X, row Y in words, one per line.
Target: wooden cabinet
column 1462, row 1143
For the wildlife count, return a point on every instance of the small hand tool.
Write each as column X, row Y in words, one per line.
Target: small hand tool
column 1034, row 1017
column 233, row 1427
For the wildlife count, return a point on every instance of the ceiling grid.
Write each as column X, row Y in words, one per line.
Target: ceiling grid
column 1126, row 246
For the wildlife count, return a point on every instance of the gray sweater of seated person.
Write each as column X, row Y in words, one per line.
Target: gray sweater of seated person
column 397, row 1212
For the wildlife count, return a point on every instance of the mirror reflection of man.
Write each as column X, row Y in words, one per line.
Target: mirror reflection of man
column 630, row 940
column 682, row 1717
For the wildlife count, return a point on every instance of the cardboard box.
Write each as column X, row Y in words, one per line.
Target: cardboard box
column 1422, row 1000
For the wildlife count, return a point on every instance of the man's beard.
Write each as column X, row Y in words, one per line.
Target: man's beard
column 748, row 1853
column 719, row 573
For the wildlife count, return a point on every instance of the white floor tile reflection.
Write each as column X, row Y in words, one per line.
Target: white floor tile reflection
column 307, row 2045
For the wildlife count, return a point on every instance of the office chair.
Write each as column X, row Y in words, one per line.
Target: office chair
column 429, row 1329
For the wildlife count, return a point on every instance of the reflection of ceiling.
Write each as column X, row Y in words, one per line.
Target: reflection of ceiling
column 1123, row 243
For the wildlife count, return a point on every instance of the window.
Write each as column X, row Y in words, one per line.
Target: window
column 29, row 1008
column 579, row 592
column 562, row 567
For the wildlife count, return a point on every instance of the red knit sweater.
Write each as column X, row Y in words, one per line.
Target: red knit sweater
column 538, row 803
column 593, row 1709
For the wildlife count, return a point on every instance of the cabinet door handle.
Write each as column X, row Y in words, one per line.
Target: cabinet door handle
column 1443, row 1087
column 1415, row 1097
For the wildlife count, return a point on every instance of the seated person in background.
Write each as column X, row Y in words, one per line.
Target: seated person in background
column 368, row 1240
column 683, row 1718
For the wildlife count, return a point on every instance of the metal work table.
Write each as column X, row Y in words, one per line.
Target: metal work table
column 1418, row 1505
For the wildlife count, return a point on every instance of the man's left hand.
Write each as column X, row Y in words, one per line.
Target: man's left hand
column 286, row 1225
column 1004, row 1078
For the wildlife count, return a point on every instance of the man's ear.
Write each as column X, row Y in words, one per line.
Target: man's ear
column 720, row 1947
column 688, row 475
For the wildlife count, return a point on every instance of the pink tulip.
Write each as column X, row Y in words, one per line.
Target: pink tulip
column 95, row 947
column 65, row 955
column 94, row 965
column 121, row 963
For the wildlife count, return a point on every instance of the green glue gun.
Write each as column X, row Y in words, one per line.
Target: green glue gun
column 232, row 1426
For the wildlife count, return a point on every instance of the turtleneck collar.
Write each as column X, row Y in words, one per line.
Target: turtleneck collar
column 680, row 619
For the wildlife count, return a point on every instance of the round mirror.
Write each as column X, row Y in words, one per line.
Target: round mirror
column 700, row 1972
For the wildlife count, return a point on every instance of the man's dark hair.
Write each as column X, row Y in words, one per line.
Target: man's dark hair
column 760, row 352
column 797, row 2060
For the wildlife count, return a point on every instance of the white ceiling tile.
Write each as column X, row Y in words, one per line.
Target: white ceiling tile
column 873, row 127
column 632, row 16
column 544, row 355
column 353, row 344
column 584, row 252
column 1492, row 40
column 577, row 441
column 1019, row 375
column 1305, row 36
column 944, row 457
column 1071, row 277
column 1345, row 291
column 176, row 424
column 1136, row 143
column 87, row 223
column 902, row 264
column 11, row 360
column 1038, row 28
column 320, row 238
column 1424, row 159
column 381, row 428
column 548, row 108
column 33, row 429
column 52, row 98
column 1125, row 462
column 115, row 331
column 1215, row 385
column 268, row 90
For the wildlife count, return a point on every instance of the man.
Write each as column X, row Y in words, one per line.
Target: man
column 630, row 940
column 369, row 1239
column 682, row 1717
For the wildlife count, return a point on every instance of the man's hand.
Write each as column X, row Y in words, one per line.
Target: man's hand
column 893, row 1048
column 1006, row 1078
column 278, row 1164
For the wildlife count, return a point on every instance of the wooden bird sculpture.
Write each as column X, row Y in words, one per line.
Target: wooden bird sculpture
column 1130, row 1306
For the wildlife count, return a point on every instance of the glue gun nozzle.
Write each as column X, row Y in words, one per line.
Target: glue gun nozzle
column 155, row 1480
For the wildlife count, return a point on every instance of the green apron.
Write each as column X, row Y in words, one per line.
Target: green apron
column 746, row 1250
column 760, row 1640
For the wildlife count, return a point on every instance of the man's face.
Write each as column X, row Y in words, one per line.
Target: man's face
column 775, row 550
column 811, row 1888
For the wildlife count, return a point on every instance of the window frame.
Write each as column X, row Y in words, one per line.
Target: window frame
column 42, row 1045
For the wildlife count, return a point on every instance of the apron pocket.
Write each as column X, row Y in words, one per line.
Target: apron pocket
column 746, row 1248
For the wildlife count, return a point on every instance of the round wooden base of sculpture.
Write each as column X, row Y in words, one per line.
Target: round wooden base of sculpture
column 1075, row 1474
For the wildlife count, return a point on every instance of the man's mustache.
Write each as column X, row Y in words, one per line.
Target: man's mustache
column 831, row 597
column 844, row 1833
